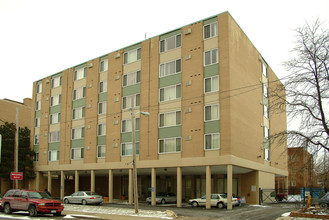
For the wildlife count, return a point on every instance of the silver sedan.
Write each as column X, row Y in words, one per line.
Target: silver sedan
column 84, row 198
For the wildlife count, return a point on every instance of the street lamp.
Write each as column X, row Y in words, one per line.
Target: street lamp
column 134, row 152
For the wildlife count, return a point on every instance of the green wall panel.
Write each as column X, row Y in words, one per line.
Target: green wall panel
column 101, row 140
column 172, row 33
column 133, row 89
column 79, row 103
column 53, row 146
column 102, row 97
column 211, row 127
column 77, row 143
column 55, row 109
column 175, row 131
column 126, row 137
column 170, row 80
column 211, row 70
column 210, row 20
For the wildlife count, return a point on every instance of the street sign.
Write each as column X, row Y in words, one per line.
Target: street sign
column 16, row 175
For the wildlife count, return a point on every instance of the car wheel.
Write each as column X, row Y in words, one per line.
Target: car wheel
column 195, row 204
column 278, row 199
column 7, row 208
column 323, row 205
column 58, row 214
column 84, row 202
column 220, row 205
column 66, row 201
column 32, row 211
column 163, row 201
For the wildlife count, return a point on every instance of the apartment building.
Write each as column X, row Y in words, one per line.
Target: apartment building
column 8, row 114
column 205, row 89
column 301, row 170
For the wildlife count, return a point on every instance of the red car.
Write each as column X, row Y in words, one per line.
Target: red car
column 32, row 201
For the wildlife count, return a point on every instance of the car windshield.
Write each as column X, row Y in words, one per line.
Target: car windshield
column 91, row 194
column 223, row 196
column 38, row 195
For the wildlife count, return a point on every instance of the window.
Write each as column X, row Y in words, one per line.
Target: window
column 127, row 149
column 79, row 93
column 170, row 119
column 266, row 154
column 78, row 113
column 132, row 56
column 56, row 82
column 211, row 112
column 126, row 101
column 265, row 90
column 126, row 125
column 210, row 30
column 131, row 78
column 55, row 100
column 101, row 108
column 170, row 43
column 37, row 105
column 170, row 68
column 170, row 145
column 80, row 73
column 266, row 132
column 266, row 112
column 78, row 133
column 77, row 153
column 211, row 141
column 101, row 129
column 54, row 136
column 53, row 155
column 36, row 156
column 170, row 93
column 264, row 69
column 103, row 86
column 36, row 139
column 101, row 151
column 103, row 65
column 211, row 84
column 39, row 87
column 55, row 118
column 37, row 122
column 211, row 57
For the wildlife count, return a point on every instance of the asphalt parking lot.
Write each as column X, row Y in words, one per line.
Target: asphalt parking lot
column 252, row 212
column 187, row 212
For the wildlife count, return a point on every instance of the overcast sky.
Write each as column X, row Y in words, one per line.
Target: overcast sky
column 39, row 38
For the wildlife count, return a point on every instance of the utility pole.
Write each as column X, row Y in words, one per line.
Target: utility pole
column 134, row 155
column 16, row 149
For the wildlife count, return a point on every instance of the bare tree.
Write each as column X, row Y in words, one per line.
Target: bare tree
column 306, row 91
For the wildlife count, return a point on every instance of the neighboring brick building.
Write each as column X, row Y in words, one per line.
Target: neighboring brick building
column 8, row 114
column 206, row 88
column 301, row 170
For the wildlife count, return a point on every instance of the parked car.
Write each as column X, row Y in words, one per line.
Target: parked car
column 324, row 201
column 34, row 202
column 163, row 198
column 241, row 199
column 1, row 208
column 219, row 200
column 84, row 198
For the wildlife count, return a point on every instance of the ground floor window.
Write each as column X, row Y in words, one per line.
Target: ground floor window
column 101, row 151
column 170, row 145
column 127, row 149
column 77, row 153
column 211, row 141
column 53, row 155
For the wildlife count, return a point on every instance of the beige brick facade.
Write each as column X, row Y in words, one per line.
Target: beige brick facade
column 229, row 145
